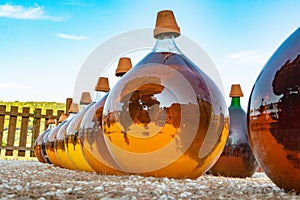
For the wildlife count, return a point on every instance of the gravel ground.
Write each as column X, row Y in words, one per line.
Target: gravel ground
column 34, row 180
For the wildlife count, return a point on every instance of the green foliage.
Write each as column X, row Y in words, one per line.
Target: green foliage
column 32, row 105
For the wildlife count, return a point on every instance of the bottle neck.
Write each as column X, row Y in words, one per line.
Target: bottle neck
column 83, row 106
column 71, row 115
column 235, row 102
column 51, row 126
column 166, row 43
column 98, row 95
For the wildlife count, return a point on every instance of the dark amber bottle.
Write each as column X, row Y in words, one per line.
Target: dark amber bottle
column 49, row 143
column 237, row 159
column 72, row 143
column 165, row 117
column 37, row 147
column 273, row 115
column 59, row 143
column 92, row 138
column 51, row 126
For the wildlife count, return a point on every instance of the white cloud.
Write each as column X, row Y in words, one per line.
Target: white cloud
column 20, row 12
column 248, row 57
column 71, row 37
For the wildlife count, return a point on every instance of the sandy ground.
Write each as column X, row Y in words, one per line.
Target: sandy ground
column 33, row 180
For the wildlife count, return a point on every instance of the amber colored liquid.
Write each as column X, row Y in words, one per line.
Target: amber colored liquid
column 75, row 154
column 92, row 142
column 273, row 116
column 72, row 142
column 165, row 120
column 50, row 146
column 237, row 159
column 38, row 150
column 43, row 146
column 60, row 148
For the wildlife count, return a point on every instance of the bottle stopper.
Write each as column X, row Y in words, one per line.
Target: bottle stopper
column 236, row 91
column 124, row 66
column 166, row 24
column 62, row 117
column 85, row 98
column 102, row 85
column 73, row 108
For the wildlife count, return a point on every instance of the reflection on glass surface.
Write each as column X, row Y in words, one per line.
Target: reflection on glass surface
column 273, row 115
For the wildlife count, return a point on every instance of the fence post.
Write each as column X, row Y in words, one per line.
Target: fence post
column 2, row 119
column 49, row 114
column 11, row 129
column 36, row 129
column 68, row 104
column 24, row 130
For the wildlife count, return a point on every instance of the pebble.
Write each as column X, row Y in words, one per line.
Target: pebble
column 35, row 180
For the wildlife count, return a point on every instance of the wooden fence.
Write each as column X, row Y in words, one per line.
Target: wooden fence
column 32, row 124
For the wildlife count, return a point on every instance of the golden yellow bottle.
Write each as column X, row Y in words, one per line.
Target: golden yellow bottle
column 72, row 140
column 49, row 144
column 59, row 144
column 91, row 132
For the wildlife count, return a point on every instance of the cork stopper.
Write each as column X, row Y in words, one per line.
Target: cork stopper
column 102, row 85
column 124, row 66
column 85, row 98
column 236, row 91
column 73, row 108
column 51, row 120
column 62, row 117
column 166, row 24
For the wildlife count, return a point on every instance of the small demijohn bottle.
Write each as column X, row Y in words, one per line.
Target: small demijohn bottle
column 37, row 146
column 72, row 140
column 49, row 143
column 59, row 144
column 92, row 138
column 237, row 159
column 51, row 125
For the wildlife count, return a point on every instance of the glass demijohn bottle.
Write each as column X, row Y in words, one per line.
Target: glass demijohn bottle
column 237, row 159
column 165, row 117
column 59, row 144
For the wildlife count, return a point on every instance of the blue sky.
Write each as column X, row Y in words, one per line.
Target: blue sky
column 43, row 44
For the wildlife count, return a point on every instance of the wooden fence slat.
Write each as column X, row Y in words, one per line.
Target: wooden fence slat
column 49, row 114
column 2, row 119
column 11, row 129
column 24, row 130
column 17, row 148
column 36, row 129
column 68, row 104
column 25, row 116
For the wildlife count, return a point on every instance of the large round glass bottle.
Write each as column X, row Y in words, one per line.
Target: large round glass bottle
column 165, row 117
column 93, row 144
column 72, row 142
column 273, row 115
column 59, row 143
column 237, row 159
